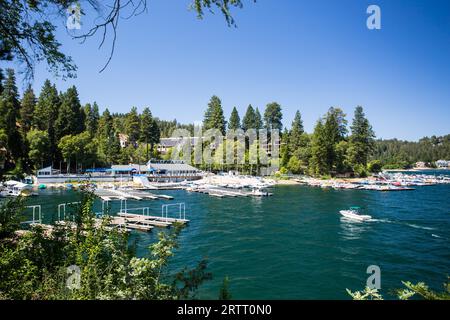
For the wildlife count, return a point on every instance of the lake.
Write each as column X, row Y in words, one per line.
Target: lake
column 295, row 245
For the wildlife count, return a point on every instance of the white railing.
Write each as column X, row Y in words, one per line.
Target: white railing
column 39, row 213
column 62, row 207
column 124, row 208
column 181, row 210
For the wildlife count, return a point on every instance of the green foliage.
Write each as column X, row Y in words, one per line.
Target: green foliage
column 258, row 120
column 34, row 265
column 39, row 147
column 295, row 165
column 295, row 139
column 224, row 293
column 360, row 170
column 362, row 138
column 249, row 121
column 132, row 125
column 91, row 118
column 273, row 117
column 28, row 35
column 150, row 133
column 46, row 113
column 10, row 114
column 235, row 122
column 222, row 5
column 81, row 148
column 397, row 154
column 214, row 118
column 10, row 217
column 318, row 164
column 27, row 107
column 70, row 118
column 419, row 290
column 374, row 166
column 367, row 294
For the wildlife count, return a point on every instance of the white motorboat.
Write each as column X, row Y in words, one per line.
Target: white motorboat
column 260, row 192
column 353, row 213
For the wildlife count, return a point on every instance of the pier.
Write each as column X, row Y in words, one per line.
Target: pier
column 126, row 219
column 141, row 217
column 222, row 192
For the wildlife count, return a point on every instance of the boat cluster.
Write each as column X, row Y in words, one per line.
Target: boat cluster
column 231, row 186
column 382, row 182
column 12, row 188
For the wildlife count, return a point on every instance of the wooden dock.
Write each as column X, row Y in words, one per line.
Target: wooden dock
column 124, row 220
column 222, row 192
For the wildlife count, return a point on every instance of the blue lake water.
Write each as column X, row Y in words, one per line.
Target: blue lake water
column 295, row 245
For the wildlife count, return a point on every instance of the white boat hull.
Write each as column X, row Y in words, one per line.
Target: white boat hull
column 354, row 216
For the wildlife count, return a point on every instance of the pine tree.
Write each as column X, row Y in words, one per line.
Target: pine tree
column 105, row 125
column 132, row 125
column 334, row 131
column 318, row 164
column 109, row 143
column 46, row 113
column 235, row 120
column 295, row 134
column 10, row 116
column 214, row 117
column 1, row 81
column 91, row 116
column 273, row 116
column 250, row 120
column 27, row 107
column 258, row 120
column 362, row 138
column 150, row 133
column 70, row 118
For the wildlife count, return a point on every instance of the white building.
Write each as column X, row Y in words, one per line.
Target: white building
column 442, row 164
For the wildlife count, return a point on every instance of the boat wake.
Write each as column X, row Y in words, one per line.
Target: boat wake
column 412, row 225
column 419, row 227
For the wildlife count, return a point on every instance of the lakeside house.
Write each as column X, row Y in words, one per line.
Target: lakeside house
column 420, row 165
column 124, row 141
column 166, row 144
column 442, row 164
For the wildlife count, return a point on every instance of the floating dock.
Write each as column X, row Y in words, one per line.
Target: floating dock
column 126, row 219
column 222, row 192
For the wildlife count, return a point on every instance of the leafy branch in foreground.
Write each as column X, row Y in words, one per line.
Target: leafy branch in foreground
column 419, row 290
column 34, row 264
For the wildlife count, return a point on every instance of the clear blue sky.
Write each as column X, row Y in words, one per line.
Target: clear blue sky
column 306, row 55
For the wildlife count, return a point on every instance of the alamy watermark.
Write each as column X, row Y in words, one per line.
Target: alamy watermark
column 236, row 147
column 74, row 17
column 374, row 20
column 74, row 279
column 374, row 280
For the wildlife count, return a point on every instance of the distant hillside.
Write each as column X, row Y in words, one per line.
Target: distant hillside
column 402, row 154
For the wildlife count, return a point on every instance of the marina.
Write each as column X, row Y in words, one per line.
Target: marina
column 239, row 221
column 247, row 237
